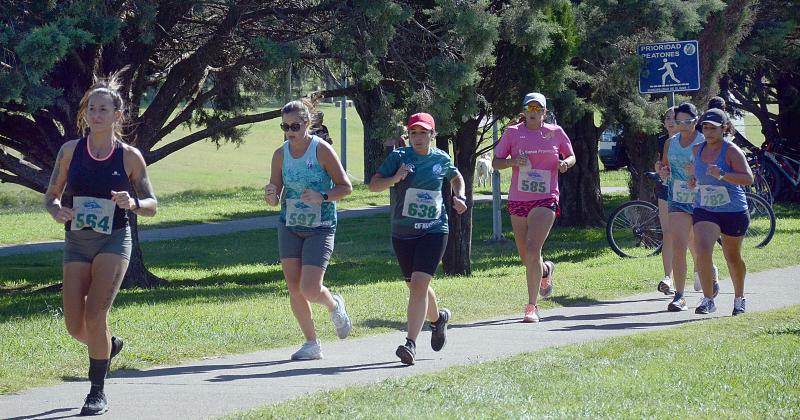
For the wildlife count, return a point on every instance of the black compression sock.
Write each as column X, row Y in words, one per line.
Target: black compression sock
column 97, row 373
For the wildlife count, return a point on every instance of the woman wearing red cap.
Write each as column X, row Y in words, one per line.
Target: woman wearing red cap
column 535, row 149
column 415, row 176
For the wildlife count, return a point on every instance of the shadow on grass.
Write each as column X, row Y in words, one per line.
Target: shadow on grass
column 384, row 323
column 332, row 370
column 363, row 255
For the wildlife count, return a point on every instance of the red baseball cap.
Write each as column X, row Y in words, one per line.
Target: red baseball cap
column 423, row 120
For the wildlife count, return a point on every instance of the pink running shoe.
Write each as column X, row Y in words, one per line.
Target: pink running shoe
column 546, row 286
column 531, row 314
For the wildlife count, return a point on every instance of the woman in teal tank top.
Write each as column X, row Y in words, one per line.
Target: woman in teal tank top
column 676, row 161
column 306, row 179
column 720, row 171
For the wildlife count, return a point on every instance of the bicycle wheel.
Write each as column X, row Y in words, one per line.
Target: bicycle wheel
column 633, row 230
column 762, row 222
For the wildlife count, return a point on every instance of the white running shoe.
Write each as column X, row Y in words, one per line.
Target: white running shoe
column 714, row 274
column 340, row 319
column 310, row 350
column 665, row 286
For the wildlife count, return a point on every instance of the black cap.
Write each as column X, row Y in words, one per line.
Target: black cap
column 716, row 102
column 687, row 108
column 714, row 116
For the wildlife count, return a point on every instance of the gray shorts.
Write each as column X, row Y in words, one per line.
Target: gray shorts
column 313, row 248
column 84, row 245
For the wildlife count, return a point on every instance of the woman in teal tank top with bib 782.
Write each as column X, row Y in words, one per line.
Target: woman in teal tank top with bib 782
column 91, row 190
column 675, row 171
column 306, row 179
column 416, row 175
column 720, row 210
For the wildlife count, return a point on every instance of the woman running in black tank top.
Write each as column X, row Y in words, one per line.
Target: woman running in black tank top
column 94, row 175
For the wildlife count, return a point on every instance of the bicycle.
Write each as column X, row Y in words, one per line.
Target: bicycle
column 779, row 168
column 754, row 156
column 633, row 229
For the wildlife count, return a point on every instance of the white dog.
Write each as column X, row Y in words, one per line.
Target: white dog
column 483, row 169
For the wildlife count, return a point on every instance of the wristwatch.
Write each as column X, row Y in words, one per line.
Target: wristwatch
column 324, row 196
column 721, row 174
column 462, row 197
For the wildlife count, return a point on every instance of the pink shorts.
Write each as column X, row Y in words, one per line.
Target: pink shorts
column 522, row 208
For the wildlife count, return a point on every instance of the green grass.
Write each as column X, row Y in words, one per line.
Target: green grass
column 744, row 367
column 227, row 294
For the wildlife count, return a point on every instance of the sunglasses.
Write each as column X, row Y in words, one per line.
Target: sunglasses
column 690, row 121
column 294, row 127
column 532, row 107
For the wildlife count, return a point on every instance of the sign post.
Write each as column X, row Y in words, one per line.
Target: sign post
column 669, row 67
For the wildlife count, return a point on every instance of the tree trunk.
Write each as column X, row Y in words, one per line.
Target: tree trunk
column 581, row 203
column 642, row 154
column 372, row 108
column 717, row 42
column 789, row 108
column 457, row 255
column 138, row 276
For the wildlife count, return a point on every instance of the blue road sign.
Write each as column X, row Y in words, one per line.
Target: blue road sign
column 669, row 67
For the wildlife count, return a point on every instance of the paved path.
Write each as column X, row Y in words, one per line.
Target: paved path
column 220, row 228
column 220, row 386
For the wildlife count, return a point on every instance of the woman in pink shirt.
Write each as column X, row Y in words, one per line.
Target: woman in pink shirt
column 536, row 150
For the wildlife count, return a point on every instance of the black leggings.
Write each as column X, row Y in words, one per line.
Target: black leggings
column 421, row 254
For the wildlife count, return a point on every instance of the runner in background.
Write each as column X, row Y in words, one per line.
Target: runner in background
column 538, row 153
column 662, row 193
column 675, row 171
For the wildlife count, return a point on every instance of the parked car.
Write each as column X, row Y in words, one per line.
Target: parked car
column 611, row 149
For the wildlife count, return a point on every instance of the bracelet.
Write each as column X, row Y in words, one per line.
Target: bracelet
column 136, row 202
column 462, row 197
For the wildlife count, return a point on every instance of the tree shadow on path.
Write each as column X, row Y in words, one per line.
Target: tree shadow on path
column 194, row 369
column 54, row 411
column 331, row 370
column 623, row 325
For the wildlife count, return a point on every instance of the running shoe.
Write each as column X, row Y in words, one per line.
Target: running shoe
column 665, row 286
column 310, row 350
column 677, row 305
column 738, row 305
column 407, row 352
column 531, row 313
column 439, row 330
column 714, row 274
column 116, row 346
column 340, row 319
column 546, row 286
column 706, row 306
column 95, row 404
